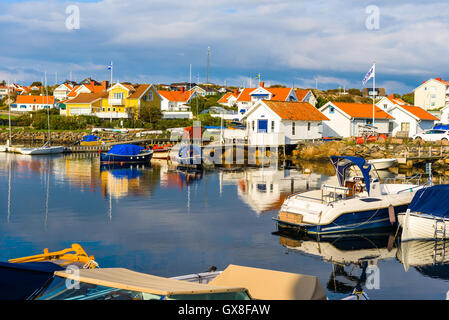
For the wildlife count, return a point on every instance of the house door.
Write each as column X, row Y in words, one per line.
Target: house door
column 263, row 126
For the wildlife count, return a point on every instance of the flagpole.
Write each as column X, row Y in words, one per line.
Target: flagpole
column 374, row 91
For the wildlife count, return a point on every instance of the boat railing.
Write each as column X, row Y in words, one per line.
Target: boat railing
column 329, row 194
column 406, row 180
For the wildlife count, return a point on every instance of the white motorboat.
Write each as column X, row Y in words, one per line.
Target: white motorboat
column 357, row 203
column 382, row 164
column 427, row 217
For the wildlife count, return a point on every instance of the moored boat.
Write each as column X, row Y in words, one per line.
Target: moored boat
column 41, row 150
column 382, row 164
column 91, row 140
column 358, row 203
column 42, row 278
column 126, row 153
column 427, row 217
column 187, row 154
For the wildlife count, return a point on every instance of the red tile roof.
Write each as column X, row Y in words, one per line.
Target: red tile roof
column 419, row 112
column 35, row 99
column 226, row 97
column 359, row 110
column 292, row 110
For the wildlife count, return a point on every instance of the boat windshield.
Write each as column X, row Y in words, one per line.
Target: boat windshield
column 66, row 289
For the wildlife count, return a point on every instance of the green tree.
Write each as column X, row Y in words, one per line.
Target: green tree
column 321, row 101
column 409, row 98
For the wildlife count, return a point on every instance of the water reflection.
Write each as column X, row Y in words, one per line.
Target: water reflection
column 351, row 256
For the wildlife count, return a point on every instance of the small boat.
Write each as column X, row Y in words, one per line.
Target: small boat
column 91, row 140
column 382, row 164
column 424, row 254
column 41, row 277
column 187, row 154
column 162, row 152
column 358, row 203
column 427, row 217
column 45, row 149
column 126, row 153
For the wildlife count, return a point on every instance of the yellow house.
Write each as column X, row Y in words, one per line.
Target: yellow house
column 84, row 104
column 126, row 101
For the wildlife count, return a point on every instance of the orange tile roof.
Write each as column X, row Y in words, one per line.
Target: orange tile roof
column 279, row 94
column 419, row 112
column 360, row 110
column 293, row 110
column 177, row 96
column 35, row 99
column 139, row 91
column 301, row 93
column 245, row 94
column 226, row 97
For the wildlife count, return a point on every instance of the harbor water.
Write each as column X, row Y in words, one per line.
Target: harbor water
column 165, row 221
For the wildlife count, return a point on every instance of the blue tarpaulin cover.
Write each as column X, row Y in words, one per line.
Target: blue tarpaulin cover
column 441, row 127
column 91, row 138
column 19, row 280
column 343, row 164
column 125, row 150
column 431, row 200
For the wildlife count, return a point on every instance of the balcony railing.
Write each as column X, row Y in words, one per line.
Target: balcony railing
column 116, row 102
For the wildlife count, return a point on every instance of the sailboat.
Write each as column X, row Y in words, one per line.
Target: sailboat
column 8, row 147
column 47, row 148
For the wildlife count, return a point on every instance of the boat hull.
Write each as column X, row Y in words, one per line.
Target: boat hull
column 41, row 151
column 422, row 227
column 382, row 164
column 346, row 222
column 114, row 158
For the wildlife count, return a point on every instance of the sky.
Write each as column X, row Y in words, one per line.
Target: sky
column 322, row 43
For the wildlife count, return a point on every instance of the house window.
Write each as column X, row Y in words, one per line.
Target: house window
column 103, row 109
column 272, row 126
column 118, row 95
column 253, row 125
column 150, row 96
column 293, row 128
column 369, row 122
column 385, row 106
column 308, row 126
column 405, row 126
column 113, row 109
column 109, row 109
column 331, row 110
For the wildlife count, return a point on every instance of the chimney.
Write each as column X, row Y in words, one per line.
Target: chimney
column 236, row 92
column 182, row 89
column 92, row 82
column 105, row 85
column 261, row 84
column 391, row 96
column 439, row 79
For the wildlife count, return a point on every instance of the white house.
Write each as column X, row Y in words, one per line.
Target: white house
column 229, row 99
column 388, row 103
column 62, row 91
column 350, row 119
column 248, row 97
column 176, row 100
column 410, row 120
column 32, row 103
column 274, row 123
column 432, row 94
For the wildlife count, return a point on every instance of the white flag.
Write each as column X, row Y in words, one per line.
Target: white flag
column 371, row 73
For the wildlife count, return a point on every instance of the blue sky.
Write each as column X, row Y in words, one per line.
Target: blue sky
column 295, row 42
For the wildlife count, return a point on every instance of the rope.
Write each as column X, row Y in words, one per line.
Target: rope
column 91, row 263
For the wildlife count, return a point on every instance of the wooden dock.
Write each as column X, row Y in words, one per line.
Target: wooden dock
column 419, row 154
column 107, row 146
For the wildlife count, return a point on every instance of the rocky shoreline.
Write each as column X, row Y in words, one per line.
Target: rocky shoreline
column 65, row 138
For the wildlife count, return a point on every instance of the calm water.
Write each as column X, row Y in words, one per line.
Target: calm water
column 165, row 222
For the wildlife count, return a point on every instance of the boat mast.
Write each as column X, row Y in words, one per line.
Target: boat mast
column 48, row 111
column 9, row 117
